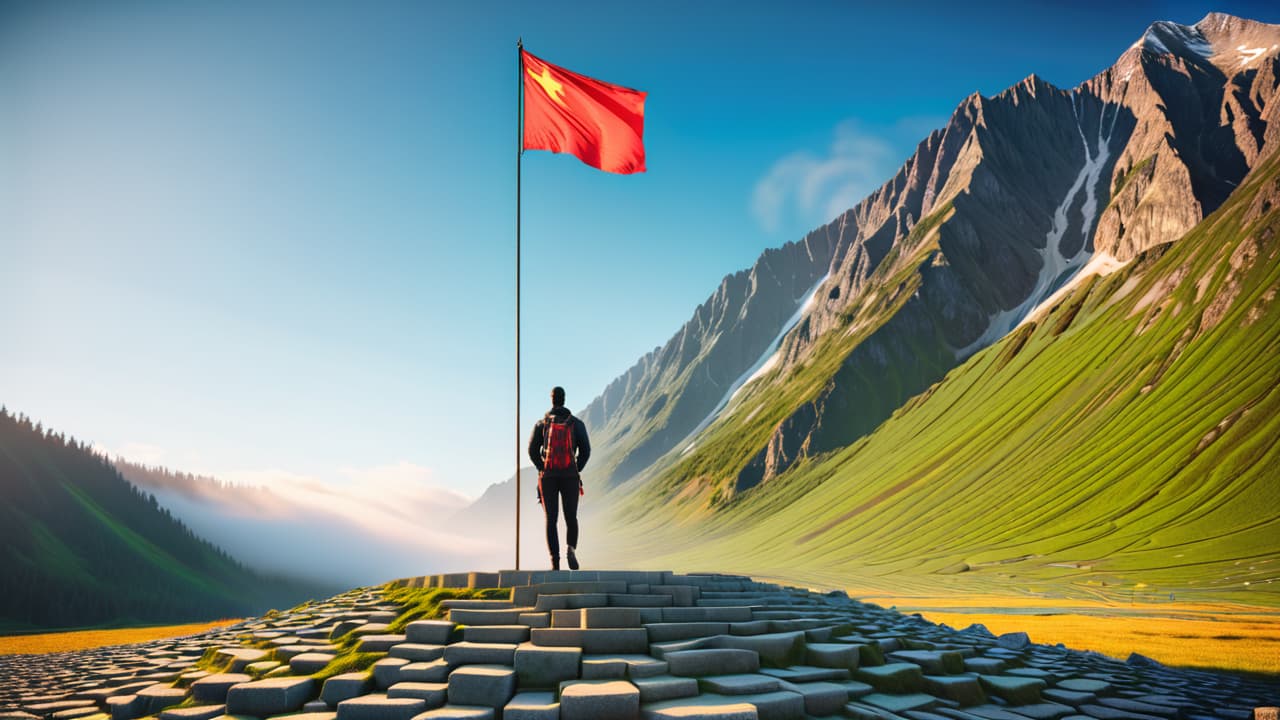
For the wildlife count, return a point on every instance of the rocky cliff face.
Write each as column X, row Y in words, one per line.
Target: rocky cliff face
column 659, row 401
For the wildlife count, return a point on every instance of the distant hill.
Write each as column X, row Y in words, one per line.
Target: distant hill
column 81, row 546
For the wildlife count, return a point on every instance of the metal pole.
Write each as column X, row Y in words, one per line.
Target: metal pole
column 519, row 153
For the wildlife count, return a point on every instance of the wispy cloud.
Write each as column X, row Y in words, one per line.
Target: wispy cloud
column 813, row 188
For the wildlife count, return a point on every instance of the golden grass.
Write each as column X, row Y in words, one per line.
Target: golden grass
column 1231, row 642
column 86, row 639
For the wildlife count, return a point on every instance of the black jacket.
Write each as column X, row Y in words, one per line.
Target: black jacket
column 581, row 445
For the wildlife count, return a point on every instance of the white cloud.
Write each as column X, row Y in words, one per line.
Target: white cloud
column 813, row 189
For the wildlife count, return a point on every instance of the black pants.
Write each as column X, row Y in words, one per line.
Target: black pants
column 556, row 490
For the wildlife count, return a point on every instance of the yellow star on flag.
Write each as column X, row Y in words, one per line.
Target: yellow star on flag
column 552, row 87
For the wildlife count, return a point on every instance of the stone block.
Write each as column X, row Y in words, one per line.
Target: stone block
column 535, row 619
column 308, row 663
column 160, row 696
column 963, row 689
column 620, row 640
column 665, row 687
column 532, row 706
column 775, row 649
column 199, row 712
column 496, row 634
column 893, row 678
column 700, row 662
column 429, row 632
column 379, row 643
column 740, row 684
column 434, row 671
column 273, row 696
column 380, row 707
column 482, row 685
column 611, row 617
column 546, row 667
column 417, row 652
column 213, row 688
column 434, row 694
column 820, row 698
column 599, row 699
column 484, row 580
column 1013, row 689
column 125, row 707
column 566, row 618
column 666, row 632
column 832, row 655
column 466, row 616
column 468, row 653
column 386, row 672
column 344, row 687
column 697, row 709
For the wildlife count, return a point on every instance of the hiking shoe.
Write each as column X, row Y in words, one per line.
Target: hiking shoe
column 573, row 560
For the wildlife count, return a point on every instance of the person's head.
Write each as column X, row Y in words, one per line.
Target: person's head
column 557, row 396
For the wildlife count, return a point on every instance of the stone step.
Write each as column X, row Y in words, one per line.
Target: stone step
column 548, row 603
column 665, row 687
column 610, row 617
column 418, row 652
column 532, row 706
column 429, row 632
column 639, row 601
column 820, row 698
column 496, row 634
column 528, row 594
column 695, row 663
column 380, row 707
column 740, row 684
column 536, row 619
column 726, row 613
column 666, row 632
column 621, row 666
column 434, row 694
column 482, row 685
column 213, row 688
column 273, row 696
column 597, row 640
column 470, row 604
column 599, row 699
column 469, row 653
column 344, row 687
column 465, row 616
column 546, row 667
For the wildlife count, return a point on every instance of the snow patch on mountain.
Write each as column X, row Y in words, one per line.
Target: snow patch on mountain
column 767, row 360
column 1055, row 268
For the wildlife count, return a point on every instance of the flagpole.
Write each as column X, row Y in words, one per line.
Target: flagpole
column 519, row 153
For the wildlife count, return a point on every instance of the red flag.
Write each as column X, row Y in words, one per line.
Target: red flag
column 564, row 112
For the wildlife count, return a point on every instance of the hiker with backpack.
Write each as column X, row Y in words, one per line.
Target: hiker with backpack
column 559, row 449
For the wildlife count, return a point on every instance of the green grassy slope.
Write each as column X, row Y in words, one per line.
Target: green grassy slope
column 1126, row 445
column 81, row 547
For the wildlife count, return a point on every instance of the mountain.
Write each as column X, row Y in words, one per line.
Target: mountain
column 1061, row 226
column 81, row 546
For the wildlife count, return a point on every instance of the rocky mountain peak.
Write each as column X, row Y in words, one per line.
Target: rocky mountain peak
column 1229, row 43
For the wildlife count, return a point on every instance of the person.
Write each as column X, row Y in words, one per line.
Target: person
column 559, row 449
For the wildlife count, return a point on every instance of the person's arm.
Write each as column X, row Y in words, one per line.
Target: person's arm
column 584, row 445
column 535, row 446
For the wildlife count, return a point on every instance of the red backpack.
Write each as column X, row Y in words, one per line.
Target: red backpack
column 557, row 444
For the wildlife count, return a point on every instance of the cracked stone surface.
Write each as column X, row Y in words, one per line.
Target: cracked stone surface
column 616, row 645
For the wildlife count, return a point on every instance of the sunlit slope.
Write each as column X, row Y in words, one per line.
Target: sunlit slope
column 1125, row 444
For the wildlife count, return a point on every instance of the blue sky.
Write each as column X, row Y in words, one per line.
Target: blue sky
column 260, row 239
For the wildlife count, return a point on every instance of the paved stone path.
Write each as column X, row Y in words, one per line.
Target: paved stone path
column 583, row 645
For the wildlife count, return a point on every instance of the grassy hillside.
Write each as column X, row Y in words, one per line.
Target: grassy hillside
column 81, row 547
column 1125, row 445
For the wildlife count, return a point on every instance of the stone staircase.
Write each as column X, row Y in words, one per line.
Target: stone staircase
column 604, row 645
